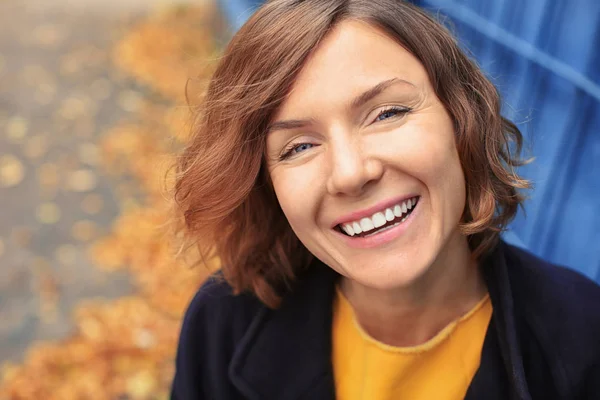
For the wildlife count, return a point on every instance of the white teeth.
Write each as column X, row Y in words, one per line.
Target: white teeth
column 379, row 220
column 383, row 229
column 389, row 214
column 348, row 229
column 366, row 224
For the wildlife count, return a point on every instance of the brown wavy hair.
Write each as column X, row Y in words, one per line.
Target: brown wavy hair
column 222, row 189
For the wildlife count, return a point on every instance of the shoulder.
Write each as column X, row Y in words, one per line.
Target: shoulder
column 215, row 307
column 552, row 288
column 214, row 322
column 560, row 308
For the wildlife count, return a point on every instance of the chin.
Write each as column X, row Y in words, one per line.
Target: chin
column 393, row 273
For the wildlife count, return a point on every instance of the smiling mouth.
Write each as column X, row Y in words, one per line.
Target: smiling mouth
column 368, row 226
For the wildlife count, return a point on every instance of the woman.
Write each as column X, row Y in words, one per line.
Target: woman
column 352, row 171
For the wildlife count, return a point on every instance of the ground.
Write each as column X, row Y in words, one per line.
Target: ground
column 91, row 112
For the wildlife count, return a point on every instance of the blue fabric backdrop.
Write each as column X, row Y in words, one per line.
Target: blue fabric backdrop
column 544, row 56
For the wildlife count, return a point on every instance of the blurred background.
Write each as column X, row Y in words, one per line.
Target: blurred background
column 92, row 108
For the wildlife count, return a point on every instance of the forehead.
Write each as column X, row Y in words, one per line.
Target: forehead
column 353, row 57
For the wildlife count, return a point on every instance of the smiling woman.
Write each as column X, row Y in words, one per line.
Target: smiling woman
column 352, row 171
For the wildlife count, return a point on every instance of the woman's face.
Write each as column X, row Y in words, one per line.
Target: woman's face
column 361, row 137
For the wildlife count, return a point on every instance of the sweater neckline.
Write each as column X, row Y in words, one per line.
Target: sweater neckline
column 435, row 341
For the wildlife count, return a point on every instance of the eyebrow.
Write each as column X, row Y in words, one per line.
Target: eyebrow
column 357, row 102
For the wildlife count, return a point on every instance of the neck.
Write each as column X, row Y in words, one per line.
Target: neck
column 412, row 315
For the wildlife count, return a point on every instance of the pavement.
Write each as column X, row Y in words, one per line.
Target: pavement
column 58, row 93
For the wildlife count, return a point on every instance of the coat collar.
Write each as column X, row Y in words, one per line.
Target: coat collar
column 501, row 374
column 286, row 354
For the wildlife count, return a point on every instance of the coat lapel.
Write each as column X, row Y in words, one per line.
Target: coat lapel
column 501, row 374
column 286, row 354
column 491, row 380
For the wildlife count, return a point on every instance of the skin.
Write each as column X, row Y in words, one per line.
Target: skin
column 347, row 159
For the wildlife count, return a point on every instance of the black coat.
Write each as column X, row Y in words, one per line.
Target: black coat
column 543, row 341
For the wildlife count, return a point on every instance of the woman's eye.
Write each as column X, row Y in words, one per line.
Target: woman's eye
column 295, row 149
column 391, row 113
column 302, row 146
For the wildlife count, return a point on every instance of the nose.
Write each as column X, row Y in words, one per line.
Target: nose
column 352, row 167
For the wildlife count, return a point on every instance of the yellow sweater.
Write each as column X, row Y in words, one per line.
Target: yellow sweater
column 439, row 369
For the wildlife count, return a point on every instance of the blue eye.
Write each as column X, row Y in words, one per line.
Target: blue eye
column 391, row 113
column 300, row 147
column 295, row 149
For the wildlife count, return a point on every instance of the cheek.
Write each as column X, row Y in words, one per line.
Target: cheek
column 428, row 153
column 295, row 191
column 425, row 151
column 446, row 180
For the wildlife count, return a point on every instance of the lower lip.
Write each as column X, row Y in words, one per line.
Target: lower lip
column 381, row 238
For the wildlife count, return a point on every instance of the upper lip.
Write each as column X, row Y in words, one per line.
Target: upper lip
column 368, row 212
